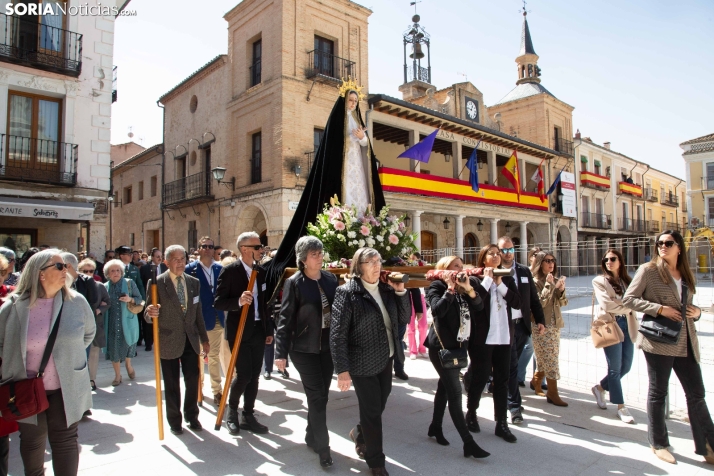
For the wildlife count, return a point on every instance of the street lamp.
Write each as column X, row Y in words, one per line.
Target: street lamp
column 219, row 174
column 406, row 220
column 479, row 225
column 446, row 223
column 508, row 227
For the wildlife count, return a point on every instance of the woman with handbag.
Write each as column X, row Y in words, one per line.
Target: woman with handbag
column 121, row 325
column 662, row 289
column 492, row 332
column 608, row 289
column 53, row 325
column 454, row 302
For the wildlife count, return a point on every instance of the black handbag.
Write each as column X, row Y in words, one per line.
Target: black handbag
column 662, row 329
column 451, row 358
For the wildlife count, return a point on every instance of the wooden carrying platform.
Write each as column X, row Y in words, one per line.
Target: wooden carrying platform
column 417, row 274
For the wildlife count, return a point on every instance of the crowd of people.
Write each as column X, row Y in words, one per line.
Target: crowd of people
column 488, row 320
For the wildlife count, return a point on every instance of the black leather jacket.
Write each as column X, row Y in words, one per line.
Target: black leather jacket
column 300, row 321
column 446, row 312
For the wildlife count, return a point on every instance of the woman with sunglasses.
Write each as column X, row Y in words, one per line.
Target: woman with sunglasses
column 89, row 267
column 609, row 288
column 492, row 332
column 551, row 291
column 657, row 290
column 42, row 299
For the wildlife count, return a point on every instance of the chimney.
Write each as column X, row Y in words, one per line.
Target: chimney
column 606, row 145
column 577, row 134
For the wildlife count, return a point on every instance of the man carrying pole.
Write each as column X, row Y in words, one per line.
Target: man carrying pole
column 183, row 332
column 232, row 294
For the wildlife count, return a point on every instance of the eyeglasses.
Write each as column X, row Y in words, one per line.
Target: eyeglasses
column 255, row 247
column 506, row 251
column 59, row 266
column 317, row 254
column 549, row 260
column 612, row 259
column 373, row 263
column 668, row 243
column 3, row 272
column 207, row 247
column 86, row 271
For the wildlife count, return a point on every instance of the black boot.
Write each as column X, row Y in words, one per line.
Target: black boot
column 248, row 422
column 437, row 432
column 232, row 421
column 503, row 431
column 472, row 422
column 325, row 458
column 472, row 449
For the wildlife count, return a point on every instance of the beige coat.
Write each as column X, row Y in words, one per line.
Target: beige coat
column 611, row 306
column 646, row 294
column 552, row 300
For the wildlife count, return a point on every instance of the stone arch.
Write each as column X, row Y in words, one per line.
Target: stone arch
column 562, row 247
column 471, row 247
column 252, row 217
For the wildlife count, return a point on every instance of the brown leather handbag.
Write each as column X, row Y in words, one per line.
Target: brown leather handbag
column 604, row 333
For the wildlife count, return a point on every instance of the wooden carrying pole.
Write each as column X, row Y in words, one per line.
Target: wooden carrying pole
column 157, row 362
column 236, row 347
column 200, row 379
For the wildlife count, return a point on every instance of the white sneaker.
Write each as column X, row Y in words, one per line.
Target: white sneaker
column 413, row 356
column 424, row 355
column 625, row 416
column 599, row 397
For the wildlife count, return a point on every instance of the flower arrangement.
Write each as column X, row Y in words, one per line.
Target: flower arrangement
column 342, row 232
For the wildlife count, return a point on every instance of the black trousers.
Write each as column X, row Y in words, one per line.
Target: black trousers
column 248, row 366
column 520, row 339
column 52, row 426
column 448, row 389
column 372, row 394
column 399, row 366
column 4, row 454
column 316, row 374
column 148, row 333
column 171, row 368
column 483, row 358
column 689, row 373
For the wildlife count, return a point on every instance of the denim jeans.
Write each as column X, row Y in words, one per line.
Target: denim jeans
column 525, row 357
column 619, row 362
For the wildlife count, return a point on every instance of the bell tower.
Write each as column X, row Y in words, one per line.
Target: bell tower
column 417, row 79
column 528, row 70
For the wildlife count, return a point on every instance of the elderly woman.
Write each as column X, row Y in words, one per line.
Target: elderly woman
column 551, row 291
column 11, row 278
column 304, row 332
column 454, row 303
column 364, row 342
column 41, row 301
column 5, row 271
column 121, row 326
column 88, row 267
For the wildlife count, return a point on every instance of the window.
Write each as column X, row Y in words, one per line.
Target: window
column 47, row 37
column 131, row 239
column 317, row 135
column 141, row 190
column 154, row 185
column 585, row 201
column 661, row 192
column 255, row 159
column 597, row 168
column 710, row 176
column 34, row 124
column 710, row 214
column 127, row 195
column 556, row 138
column 180, row 167
column 324, row 56
column 256, row 66
column 192, row 235
column 116, row 199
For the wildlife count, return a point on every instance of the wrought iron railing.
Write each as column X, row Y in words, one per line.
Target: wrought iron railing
column 328, row 65
column 30, row 159
column 595, row 220
column 255, row 73
column 310, row 156
column 419, row 73
column 186, row 188
column 114, row 84
column 670, row 199
column 671, row 226
column 31, row 41
column 649, row 194
column 562, row 145
column 652, row 226
column 631, row 224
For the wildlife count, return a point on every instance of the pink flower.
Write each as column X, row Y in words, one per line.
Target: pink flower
column 364, row 230
column 402, row 226
column 339, row 226
column 393, row 239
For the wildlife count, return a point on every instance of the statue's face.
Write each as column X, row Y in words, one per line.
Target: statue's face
column 352, row 101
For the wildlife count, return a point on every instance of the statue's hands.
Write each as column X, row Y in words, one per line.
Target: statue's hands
column 359, row 132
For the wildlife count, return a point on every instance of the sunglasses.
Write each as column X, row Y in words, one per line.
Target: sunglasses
column 506, row 251
column 612, row 259
column 549, row 260
column 207, row 247
column 668, row 243
column 86, row 271
column 59, row 266
column 255, row 247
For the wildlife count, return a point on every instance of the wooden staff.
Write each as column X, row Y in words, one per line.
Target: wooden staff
column 157, row 361
column 236, row 347
column 200, row 379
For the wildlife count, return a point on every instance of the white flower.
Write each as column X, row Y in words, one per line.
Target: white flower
column 327, row 256
column 380, row 238
column 370, row 241
column 353, row 242
column 361, row 243
column 351, row 234
column 388, row 248
column 341, row 237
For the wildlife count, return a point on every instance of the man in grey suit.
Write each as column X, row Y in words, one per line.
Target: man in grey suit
column 182, row 332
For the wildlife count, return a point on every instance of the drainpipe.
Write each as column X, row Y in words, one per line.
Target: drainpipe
column 676, row 211
column 644, row 203
column 163, row 169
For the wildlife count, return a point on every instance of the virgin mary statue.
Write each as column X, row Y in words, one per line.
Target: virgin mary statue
column 344, row 165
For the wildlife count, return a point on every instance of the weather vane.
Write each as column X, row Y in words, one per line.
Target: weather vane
column 525, row 12
column 414, row 4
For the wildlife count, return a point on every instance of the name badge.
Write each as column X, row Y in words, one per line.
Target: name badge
column 195, row 300
column 524, row 279
column 264, row 287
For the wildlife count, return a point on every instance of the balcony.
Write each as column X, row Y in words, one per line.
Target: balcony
column 310, row 156
column 28, row 159
column 632, row 225
column 671, row 226
column 114, row 84
column 652, row 226
column 592, row 180
column 650, row 195
column 186, row 191
column 29, row 42
column 322, row 65
column 595, row 220
column 563, row 146
column 670, row 199
column 256, row 70
column 629, row 188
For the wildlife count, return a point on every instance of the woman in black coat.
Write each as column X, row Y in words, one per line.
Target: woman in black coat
column 453, row 305
column 304, row 331
column 490, row 342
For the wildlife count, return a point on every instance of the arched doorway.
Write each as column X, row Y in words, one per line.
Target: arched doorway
column 428, row 240
column 264, row 237
column 252, row 218
column 471, row 248
column 562, row 250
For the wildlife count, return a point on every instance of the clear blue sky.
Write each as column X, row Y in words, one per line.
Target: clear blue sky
column 638, row 72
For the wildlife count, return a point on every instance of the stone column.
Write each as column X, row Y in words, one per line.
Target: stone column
column 592, row 256
column 416, row 227
column 524, row 242
column 492, row 170
column 456, row 161
column 414, row 164
column 494, row 230
column 459, row 235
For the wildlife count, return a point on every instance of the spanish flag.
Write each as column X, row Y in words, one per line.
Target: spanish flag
column 510, row 171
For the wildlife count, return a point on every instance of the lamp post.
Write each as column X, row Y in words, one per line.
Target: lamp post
column 219, row 174
column 446, row 223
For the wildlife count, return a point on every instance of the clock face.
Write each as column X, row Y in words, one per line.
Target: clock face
column 472, row 109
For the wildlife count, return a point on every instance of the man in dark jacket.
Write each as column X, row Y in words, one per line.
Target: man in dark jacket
column 530, row 304
column 232, row 294
column 146, row 273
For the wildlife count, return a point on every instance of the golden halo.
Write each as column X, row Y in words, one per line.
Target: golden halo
column 350, row 84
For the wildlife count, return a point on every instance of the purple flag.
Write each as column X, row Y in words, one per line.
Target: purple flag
column 422, row 150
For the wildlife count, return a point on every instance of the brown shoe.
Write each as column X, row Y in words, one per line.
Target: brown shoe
column 360, row 446
column 552, row 395
column 709, row 458
column 535, row 383
column 217, row 398
column 664, row 455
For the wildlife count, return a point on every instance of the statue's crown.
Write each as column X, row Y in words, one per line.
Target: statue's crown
column 350, row 84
